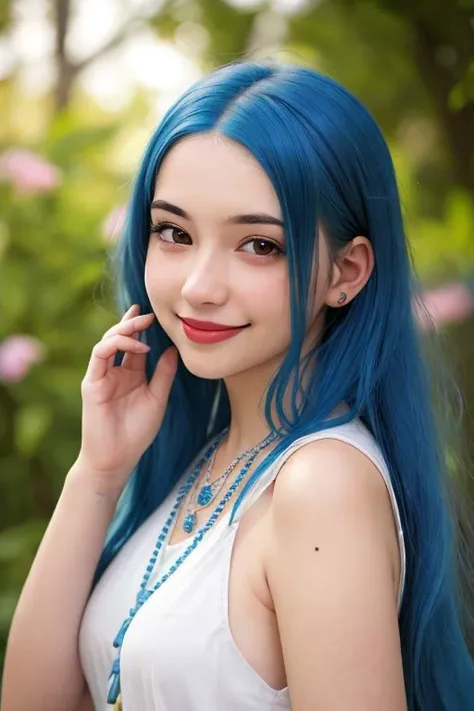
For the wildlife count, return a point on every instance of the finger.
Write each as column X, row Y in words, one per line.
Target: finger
column 134, row 361
column 162, row 379
column 112, row 361
column 130, row 313
column 103, row 351
column 128, row 327
column 133, row 329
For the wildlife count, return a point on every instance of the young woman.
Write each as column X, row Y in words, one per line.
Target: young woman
column 284, row 541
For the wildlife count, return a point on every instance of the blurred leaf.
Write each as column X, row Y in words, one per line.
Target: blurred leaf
column 18, row 546
column 13, row 293
column 64, row 148
column 31, row 426
column 4, row 237
column 8, row 601
column 12, row 544
column 5, row 14
column 463, row 92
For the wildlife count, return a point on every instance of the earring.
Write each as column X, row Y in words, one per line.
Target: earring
column 342, row 297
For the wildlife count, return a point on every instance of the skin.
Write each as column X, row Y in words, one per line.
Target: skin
column 325, row 546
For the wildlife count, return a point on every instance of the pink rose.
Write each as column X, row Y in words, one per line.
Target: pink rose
column 17, row 354
column 452, row 302
column 28, row 173
column 114, row 223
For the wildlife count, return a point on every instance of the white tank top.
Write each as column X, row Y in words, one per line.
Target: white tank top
column 179, row 654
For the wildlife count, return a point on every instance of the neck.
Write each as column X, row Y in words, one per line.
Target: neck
column 248, row 425
column 247, row 394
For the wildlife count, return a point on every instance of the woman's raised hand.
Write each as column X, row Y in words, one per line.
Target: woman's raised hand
column 121, row 411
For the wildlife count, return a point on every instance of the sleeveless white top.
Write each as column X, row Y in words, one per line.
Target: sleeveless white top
column 179, row 654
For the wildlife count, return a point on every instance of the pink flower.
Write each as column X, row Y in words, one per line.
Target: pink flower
column 114, row 223
column 17, row 354
column 452, row 302
column 28, row 173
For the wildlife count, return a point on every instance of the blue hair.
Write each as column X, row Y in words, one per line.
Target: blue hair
column 330, row 166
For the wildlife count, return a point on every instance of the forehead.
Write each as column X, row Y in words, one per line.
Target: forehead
column 211, row 172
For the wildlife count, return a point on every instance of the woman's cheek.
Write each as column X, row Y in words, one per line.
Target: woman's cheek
column 159, row 281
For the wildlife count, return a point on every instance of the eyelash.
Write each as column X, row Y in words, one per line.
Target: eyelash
column 161, row 226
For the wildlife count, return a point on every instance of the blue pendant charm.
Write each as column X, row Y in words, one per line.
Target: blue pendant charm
column 205, row 496
column 189, row 523
column 113, row 690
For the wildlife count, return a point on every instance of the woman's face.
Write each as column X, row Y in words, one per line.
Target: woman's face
column 217, row 254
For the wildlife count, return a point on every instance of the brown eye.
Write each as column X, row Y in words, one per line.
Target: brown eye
column 262, row 247
column 171, row 234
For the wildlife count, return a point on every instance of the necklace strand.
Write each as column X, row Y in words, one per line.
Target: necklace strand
column 113, row 692
column 209, row 492
column 192, row 498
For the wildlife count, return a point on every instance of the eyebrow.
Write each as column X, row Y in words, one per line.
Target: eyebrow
column 259, row 218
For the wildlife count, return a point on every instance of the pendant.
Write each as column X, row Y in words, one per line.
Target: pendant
column 189, row 523
column 118, row 704
column 205, row 496
column 113, row 691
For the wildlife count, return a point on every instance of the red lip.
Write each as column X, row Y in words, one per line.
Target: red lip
column 206, row 332
column 209, row 325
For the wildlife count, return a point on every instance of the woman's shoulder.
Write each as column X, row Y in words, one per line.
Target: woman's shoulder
column 337, row 481
column 336, row 466
column 343, row 461
column 356, row 436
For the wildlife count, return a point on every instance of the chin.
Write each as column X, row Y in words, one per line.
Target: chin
column 210, row 366
column 223, row 364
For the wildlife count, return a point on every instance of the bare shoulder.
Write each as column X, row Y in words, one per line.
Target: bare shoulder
column 329, row 488
column 332, row 549
column 328, row 474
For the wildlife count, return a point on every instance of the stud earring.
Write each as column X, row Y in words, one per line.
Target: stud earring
column 342, row 297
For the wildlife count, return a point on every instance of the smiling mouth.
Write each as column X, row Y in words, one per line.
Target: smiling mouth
column 210, row 325
column 207, row 332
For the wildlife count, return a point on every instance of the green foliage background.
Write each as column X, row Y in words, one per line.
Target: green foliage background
column 410, row 62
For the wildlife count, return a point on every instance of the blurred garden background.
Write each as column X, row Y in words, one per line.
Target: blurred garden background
column 83, row 83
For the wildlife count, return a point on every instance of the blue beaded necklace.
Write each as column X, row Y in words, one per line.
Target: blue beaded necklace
column 210, row 490
column 113, row 693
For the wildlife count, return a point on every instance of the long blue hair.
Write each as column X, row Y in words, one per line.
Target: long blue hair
column 330, row 166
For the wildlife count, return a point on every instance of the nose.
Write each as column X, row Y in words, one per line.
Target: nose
column 205, row 282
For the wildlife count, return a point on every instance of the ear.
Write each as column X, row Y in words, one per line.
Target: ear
column 351, row 271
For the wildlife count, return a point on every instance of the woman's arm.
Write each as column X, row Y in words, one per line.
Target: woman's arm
column 42, row 667
column 86, row 703
column 122, row 413
column 333, row 568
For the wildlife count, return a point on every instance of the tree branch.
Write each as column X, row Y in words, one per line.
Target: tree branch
column 67, row 71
